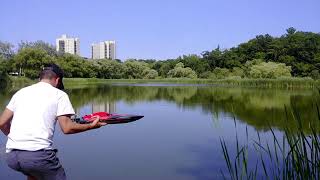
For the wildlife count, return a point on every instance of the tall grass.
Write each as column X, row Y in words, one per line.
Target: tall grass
column 294, row 156
column 287, row 83
column 284, row 83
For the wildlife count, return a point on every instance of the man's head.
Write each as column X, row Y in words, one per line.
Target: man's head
column 53, row 73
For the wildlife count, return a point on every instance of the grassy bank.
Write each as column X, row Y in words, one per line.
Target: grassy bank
column 264, row 83
column 288, row 83
column 19, row 82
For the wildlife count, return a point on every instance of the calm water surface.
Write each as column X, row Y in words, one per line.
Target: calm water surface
column 179, row 137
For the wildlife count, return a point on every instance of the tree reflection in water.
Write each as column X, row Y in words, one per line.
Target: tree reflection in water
column 257, row 107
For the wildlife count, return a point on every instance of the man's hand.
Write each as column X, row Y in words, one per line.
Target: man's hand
column 5, row 121
column 96, row 123
column 70, row 127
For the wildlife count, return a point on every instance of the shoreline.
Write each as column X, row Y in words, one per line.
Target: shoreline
column 285, row 83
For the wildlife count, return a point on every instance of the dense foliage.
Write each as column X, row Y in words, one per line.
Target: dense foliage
column 179, row 71
column 6, row 53
column 3, row 74
column 295, row 53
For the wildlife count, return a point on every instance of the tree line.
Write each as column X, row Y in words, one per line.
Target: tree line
column 296, row 53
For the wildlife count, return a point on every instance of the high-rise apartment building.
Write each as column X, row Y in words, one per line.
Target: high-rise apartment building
column 103, row 50
column 66, row 44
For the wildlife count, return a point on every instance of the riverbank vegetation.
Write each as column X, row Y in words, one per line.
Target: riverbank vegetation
column 258, row 108
column 295, row 155
column 294, row 54
column 4, row 78
column 283, row 83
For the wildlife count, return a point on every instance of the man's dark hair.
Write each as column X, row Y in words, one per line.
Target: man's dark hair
column 52, row 71
column 47, row 74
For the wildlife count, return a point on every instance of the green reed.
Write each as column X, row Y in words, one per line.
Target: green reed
column 285, row 83
column 294, row 156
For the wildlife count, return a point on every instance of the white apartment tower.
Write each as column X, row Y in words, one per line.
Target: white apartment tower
column 66, row 44
column 104, row 50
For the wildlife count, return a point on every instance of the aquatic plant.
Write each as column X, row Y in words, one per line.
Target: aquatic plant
column 294, row 156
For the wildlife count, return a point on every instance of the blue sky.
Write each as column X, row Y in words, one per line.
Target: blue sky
column 155, row 29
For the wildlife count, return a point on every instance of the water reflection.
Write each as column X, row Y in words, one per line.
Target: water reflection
column 92, row 107
column 259, row 108
column 179, row 134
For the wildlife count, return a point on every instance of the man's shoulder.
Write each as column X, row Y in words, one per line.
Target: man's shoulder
column 24, row 89
column 62, row 93
column 28, row 88
column 39, row 86
column 57, row 92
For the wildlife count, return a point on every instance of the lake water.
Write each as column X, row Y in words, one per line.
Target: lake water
column 179, row 137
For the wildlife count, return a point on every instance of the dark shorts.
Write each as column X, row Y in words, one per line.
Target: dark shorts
column 42, row 164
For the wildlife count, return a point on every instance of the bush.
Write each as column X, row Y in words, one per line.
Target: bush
column 134, row 69
column 315, row 74
column 236, row 71
column 109, row 69
column 269, row 70
column 220, row 73
column 150, row 74
column 205, row 75
column 180, row 72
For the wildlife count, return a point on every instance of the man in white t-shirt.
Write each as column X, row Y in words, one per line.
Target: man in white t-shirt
column 29, row 122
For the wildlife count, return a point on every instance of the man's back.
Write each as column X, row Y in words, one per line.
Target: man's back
column 29, row 122
column 35, row 110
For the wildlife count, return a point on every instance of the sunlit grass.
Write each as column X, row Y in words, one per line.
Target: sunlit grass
column 286, row 83
column 264, row 83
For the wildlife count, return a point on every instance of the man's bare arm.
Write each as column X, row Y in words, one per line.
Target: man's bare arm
column 5, row 121
column 70, row 127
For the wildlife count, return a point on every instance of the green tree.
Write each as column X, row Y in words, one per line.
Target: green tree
column 315, row 74
column 110, row 69
column 291, row 31
column 163, row 67
column 134, row 69
column 29, row 61
column 180, row 72
column 269, row 70
column 6, row 50
column 214, row 58
column 76, row 66
column 220, row 73
column 4, row 79
column 237, row 71
column 50, row 49
column 195, row 63
column 150, row 74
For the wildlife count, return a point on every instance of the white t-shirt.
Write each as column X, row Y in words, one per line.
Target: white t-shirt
column 35, row 110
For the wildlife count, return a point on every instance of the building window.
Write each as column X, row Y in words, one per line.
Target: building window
column 62, row 46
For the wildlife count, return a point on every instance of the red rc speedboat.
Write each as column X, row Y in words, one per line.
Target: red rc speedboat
column 108, row 118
